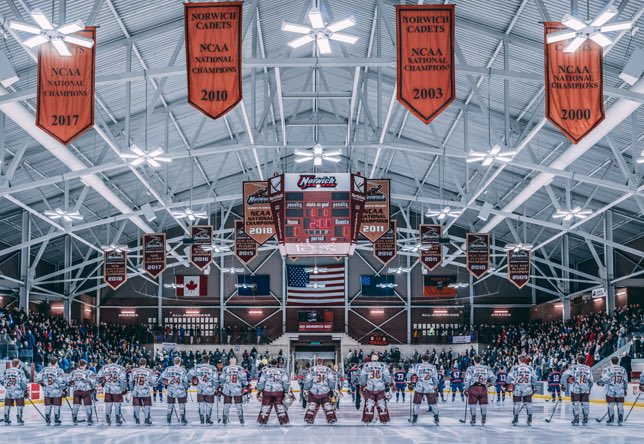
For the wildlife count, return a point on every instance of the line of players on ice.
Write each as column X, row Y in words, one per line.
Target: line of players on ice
column 373, row 382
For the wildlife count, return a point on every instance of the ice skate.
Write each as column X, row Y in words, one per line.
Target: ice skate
column 137, row 421
column 201, row 419
column 611, row 420
column 74, row 420
column 224, row 419
column 585, row 420
column 119, row 420
column 208, row 421
column 436, row 420
column 148, row 421
column 620, row 419
column 529, row 421
column 515, row 421
column 483, row 420
column 108, row 420
column 575, row 421
column 473, row 420
column 19, row 420
column 184, row 421
column 57, row 421
column 48, row 420
column 89, row 420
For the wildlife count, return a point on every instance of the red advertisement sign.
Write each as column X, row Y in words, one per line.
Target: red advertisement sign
column 312, row 327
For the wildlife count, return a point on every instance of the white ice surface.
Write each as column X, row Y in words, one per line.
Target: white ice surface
column 348, row 429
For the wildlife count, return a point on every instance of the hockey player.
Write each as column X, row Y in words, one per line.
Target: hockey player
column 614, row 379
column 424, row 376
column 355, row 381
column 158, row 387
column 112, row 377
column 15, row 383
column 554, row 384
column 175, row 379
column 54, row 383
column 84, row 382
column 501, row 377
column 441, row 384
column 142, row 379
column 206, row 378
column 477, row 378
column 234, row 386
column 375, row 380
column 301, row 377
column 318, row 390
column 456, row 382
column 400, row 378
column 272, row 387
column 520, row 382
column 579, row 380
column 350, row 380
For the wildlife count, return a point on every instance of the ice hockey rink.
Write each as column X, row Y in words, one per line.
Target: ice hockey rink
column 348, row 429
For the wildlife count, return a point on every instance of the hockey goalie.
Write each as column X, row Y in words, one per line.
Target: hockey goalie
column 375, row 382
column 318, row 390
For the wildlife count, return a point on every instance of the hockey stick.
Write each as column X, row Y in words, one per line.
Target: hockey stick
column 464, row 420
column 410, row 408
column 635, row 402
column 602, row 418
column 37, row 409
column 553, row 411
column 96, row 412
column 72, row 410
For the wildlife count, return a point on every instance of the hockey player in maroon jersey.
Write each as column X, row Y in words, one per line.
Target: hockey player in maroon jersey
column 424, row 377
column 112, row 378
column 15, row 383
column 318, row 386
column 477, row 379
column 273, row 386
column 375, row 380
column 84, row 382
column 142, row 379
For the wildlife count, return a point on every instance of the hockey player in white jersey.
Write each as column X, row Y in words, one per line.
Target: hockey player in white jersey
column 578, row 379
column 478, row 378
column 142, row 379
column 14, row 381
column 206, row 378
column 175, row 379
column 234, row 386
column 54, row 384
column 520, row 382
column 319, row 384
column 112, row 377
column 614, row 379
column 272, row 388
column 375, row 381
column 84, row 382
column 423, row 379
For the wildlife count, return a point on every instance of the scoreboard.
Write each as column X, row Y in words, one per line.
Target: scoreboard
column 317, row 214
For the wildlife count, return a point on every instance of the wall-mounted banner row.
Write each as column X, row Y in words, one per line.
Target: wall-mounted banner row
column 66, row 84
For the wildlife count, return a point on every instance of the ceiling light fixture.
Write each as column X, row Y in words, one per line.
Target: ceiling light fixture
column 491, row 155
column 319, row 32
column 518, row 247
column 315, row 285
column 399, row 270
column 216, row 248
column 232, row 270
column 48, row 32
column 140, row 156
column 190, row 214
column 576, row 212
column 317, row 155
column 443, row 213
column 115, row 248
column 458, row 285
column 580, row 30
column 67, row 216
column 386, row 285
column 641, row 158
column 315, row 270
column 173, row 285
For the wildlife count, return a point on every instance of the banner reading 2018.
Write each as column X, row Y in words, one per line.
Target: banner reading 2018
column 574, row 85
column 425, row 58
column 65, row 102
column 213, row 56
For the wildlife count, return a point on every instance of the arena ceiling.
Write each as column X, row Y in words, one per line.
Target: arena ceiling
column 344, row 100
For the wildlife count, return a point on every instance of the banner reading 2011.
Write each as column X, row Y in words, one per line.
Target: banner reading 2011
column 213, row 56
column 425, row 58
column 65, row 102
column 574, row 85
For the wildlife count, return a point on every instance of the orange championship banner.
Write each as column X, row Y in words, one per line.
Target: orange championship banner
column 66, row 87
column 519, row 267
column 201, row 236
column 431, row 250
column 375, row 217
column 477, row 252
column 426, row 76
column 114, row 268
column 574, row 85
column 154, row 258
column 258, row 218
column 213, row 56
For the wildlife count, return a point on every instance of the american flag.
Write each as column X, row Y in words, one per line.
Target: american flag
column 332, row 276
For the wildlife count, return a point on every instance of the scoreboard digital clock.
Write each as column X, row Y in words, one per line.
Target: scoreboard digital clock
column 317, row 214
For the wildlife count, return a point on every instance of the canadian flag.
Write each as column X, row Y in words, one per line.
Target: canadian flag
column 191, row 286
